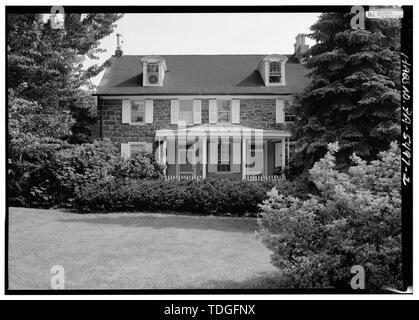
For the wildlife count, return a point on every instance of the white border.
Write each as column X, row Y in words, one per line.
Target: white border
column 211, row 297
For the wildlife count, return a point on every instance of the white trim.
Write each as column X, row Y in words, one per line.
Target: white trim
column 235, row 111
column 275, row 84
column 188, row 97
column 172, row 134
column 126, row 111
column 204, row 158
column 213, row 111
column 197, row 111
column 283, row 165
column 148, row 111
column 131, row 143
column 280, row 111
column 265, row 157
column 174, row 111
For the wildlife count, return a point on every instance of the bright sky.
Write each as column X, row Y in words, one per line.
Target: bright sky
column 207, row 33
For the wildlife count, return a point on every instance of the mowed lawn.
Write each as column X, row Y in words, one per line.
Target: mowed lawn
column 136, row 251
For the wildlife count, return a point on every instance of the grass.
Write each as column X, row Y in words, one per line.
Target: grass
column 136, row 251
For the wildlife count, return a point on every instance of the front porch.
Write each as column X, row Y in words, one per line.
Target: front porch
column 223, row 151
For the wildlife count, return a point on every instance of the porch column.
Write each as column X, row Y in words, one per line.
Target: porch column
column 204, row 157
column 265, row 158
column 283, row 156
column 244, row 160
column 164, row 156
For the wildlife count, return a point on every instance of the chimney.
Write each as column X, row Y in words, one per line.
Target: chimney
column 118, row 51
column 300, row 46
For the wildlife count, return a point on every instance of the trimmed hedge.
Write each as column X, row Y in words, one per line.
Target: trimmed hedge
column 209, row 196
column 50, row 174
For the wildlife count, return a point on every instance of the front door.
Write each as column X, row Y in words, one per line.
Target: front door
column 184, row 166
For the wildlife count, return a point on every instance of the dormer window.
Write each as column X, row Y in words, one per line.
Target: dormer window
column 154, row 69
column 274, row 72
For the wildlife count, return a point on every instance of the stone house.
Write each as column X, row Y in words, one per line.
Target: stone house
column 203, row 115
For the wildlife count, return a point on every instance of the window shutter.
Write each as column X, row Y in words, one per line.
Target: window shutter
column 171, row 151
column 213, row 111
column 149, row 111
column 125, row 150
column 126, row 111
column 280, row 103
column 197, row 111
column 237, row 151
column 278, row 154
column 174, row 111
column 236, row 155
column 235, row 111
column 213, row 154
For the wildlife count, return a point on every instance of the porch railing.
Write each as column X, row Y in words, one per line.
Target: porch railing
column 184, row 177
column 263, row 178
column 248, row 177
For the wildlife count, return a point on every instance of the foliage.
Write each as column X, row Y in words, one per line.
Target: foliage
column 68, row 167
column 33, row 140
column 355, row 220
column 46, row 66
column 209, row 196
column 353, row 96
column 47, row 93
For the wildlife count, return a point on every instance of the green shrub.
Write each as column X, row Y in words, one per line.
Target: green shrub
column 355, row 220
column 209, row 196
column 56, row 180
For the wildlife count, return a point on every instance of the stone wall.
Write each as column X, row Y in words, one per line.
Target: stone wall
column 254, row 113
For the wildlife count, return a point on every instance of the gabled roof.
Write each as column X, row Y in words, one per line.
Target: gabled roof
column 199, row 75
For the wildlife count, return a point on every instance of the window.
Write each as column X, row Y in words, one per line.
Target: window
column 289, row 117
column 152, row 67
column 184, row 163
column 288, row 114
column 186, row 111
column 137, row 111
column 224, row 164
column 289, row 154
column 224, row 110
column 274, row 72
column 137, row 148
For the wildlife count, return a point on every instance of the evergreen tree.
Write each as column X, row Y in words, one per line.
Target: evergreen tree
column 353, row 97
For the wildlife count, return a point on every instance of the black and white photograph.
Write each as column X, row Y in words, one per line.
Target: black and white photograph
column 209, row 150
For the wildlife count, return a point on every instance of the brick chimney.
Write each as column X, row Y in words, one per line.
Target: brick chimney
column 118, row 51
column 300, row 46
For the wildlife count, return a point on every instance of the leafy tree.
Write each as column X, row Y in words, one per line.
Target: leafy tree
column 355, row 220
column 354, row 95
column 45, row 65
column 48, row 89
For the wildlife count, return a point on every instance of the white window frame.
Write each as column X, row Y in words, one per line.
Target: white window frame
column 220, row 161
column 131, row 144
column 286, row 114
column 155, row 65
column 145, row 111
column 275, row 73
column 267, row 73
column 180, row 120
column 230, row 101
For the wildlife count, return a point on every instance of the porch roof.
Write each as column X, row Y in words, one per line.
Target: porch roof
column 220, row 129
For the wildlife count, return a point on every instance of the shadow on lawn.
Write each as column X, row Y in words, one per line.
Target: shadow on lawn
column 167, row 221
column 264, row 280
